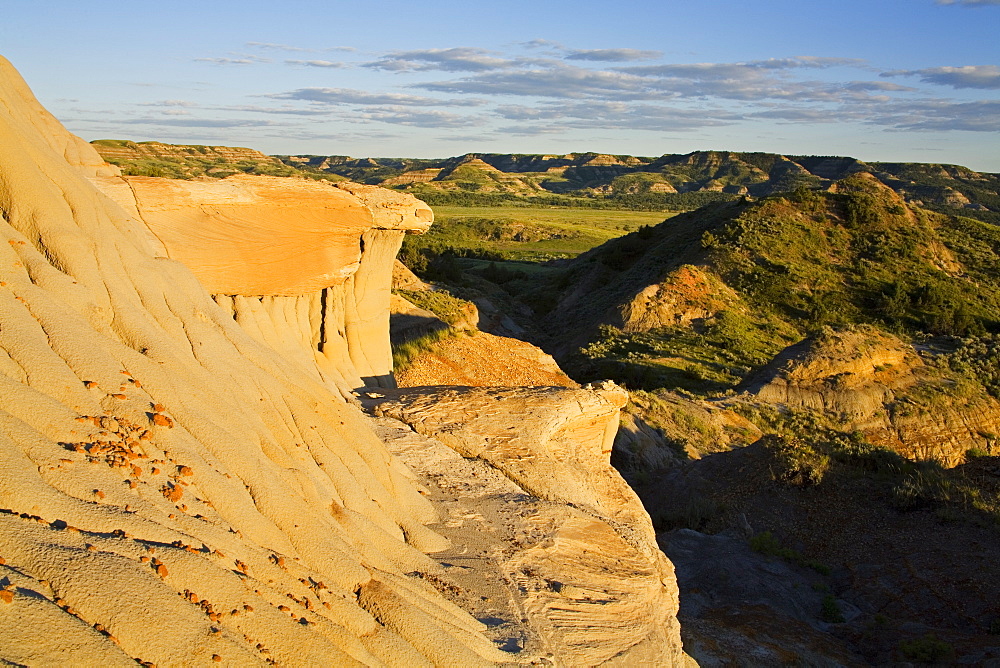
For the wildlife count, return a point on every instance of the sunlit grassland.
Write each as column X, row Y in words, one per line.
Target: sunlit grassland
column 540, row 233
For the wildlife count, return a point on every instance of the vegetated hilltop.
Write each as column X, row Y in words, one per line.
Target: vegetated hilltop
column 186, row 474
column 178, row 161
column 668, row 182
column 707, row 298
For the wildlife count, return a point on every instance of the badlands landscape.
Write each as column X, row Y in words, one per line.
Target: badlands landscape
column 717, row 408
column 188, row 476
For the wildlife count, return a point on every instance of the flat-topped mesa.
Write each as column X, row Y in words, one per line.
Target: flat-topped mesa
column 304, row 266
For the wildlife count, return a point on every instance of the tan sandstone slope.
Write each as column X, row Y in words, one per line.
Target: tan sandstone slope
column 876, row 383
column 174, row 490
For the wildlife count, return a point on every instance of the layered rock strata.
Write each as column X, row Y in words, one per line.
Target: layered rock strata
column 594, row 585
column 878, row 384
column 304, row 266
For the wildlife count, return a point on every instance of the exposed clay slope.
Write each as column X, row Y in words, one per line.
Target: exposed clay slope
column 123, row 150
column 579, row 593
column 153, row 158
column 171, row 492
column 253, row 235
column 687, row 295
column 19, row 105
column 480, row 359
column 852, row 373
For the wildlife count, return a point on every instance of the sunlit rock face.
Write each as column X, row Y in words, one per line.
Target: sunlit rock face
column 181, row 482
column 171, row 490
column 304, row 266
column 878, row 384
column 595, row 586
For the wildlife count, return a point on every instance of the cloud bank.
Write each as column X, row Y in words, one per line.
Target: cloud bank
column 542, row 87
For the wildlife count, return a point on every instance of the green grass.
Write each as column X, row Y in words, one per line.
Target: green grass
column 707, row 362
column 765, row 543
column 406, row 353
column 533, row 234
column 441, row 303
column 800, row 262
column 597, row 219
column 191, row 161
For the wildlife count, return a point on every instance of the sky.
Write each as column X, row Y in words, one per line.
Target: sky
column 879, row 80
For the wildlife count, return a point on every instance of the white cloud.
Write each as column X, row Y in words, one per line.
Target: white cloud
column 235, row 59
column 938, row 115
column 168, row 103
column 227, row 61
column 423, row 118
column 200, row 122
column 285, row 47
column 558, row 81
column 317, row 63
column 968, row 76
column 969, row 3
column 335, row 96
column 458, row 59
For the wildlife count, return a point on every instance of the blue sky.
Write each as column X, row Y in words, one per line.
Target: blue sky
column 891, row 80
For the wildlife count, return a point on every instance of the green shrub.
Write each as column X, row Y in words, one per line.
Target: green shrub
column 972, row 453
column 765, row 543
column 927, row 649
column 797, row 462
column 830, row 611
column 696, row 513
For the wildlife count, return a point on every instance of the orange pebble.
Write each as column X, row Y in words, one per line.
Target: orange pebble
column 162, row 420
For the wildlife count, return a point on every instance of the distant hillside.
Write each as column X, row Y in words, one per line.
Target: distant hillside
column 814, row 385
column 671, row 182
column 666, row 182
